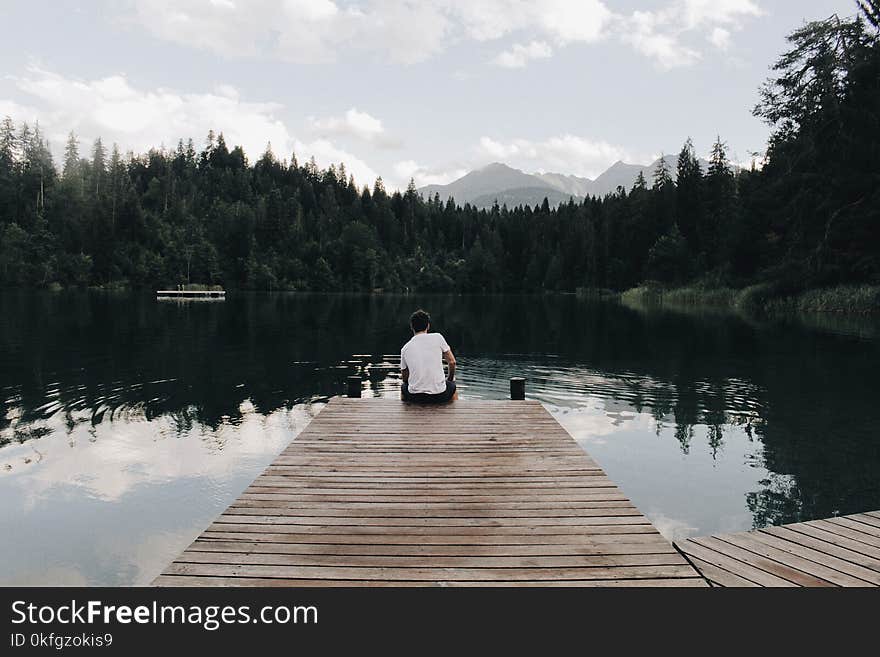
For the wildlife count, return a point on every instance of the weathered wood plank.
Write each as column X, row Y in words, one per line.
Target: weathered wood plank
column 429, row 525
column 353, row 531
column 263, row 507
column 584, row 485
column 828, row 538
column 519, row 550
column 719, row 576
column 465, row 508
column 377, row 492
column 846, row 527
column 409, row 561
column 729, row 558
column 809, row 573
column 178, row 580
column 415, row 539
column 357, row 479
column 821, row 562
column 866, row 519
column 429, row 574
column 599, row 495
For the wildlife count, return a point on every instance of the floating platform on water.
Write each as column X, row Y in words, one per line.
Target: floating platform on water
column 375, row 492
column 191, row 294
column 842, row 551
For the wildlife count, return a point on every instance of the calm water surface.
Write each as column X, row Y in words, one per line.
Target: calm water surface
column 127, row 425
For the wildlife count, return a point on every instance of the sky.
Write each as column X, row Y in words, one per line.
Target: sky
column 402, row 89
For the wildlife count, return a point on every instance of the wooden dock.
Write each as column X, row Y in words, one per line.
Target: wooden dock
column 475, row 493
column 843, row 551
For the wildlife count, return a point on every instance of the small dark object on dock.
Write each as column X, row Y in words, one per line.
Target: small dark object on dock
column 517, row 388
column 354, row 386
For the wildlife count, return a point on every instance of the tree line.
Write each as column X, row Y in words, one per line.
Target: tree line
column 807, row 217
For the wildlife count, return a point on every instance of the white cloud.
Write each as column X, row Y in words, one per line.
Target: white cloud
column 310, row 31
column 658, row 34
column 519, row 55
column 138, row 453
column 119, row 467
column 407, row 32
column 698, row 13
column 17, row 112
column 137, row 119
column 320, row 30
column 326, row 153
column 497, row 150
column 255, row 27
column 423, row 175
column 304, row 31
column 720, row 38
column 672, row 529
column 354, row 123
column 562, row 21
column 567, row 153
column 663, row 48
column 573, row 20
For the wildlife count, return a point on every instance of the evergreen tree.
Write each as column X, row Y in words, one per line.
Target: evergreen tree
column 7, row 142
column 99, row 165
column 669, row 260
column 25, row 136
column 71, row 166
column 809, row 216
column 640, row 184
column 663, row 199
column 719, row 220
column 8, row 177
column 117, row 176
column 662, row 176
column 871, row 11
column 689, row 197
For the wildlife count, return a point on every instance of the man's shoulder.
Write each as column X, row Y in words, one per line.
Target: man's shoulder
column 409, row 343
column 427, row 339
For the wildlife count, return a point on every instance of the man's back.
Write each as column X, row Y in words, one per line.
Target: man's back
column 423, row 357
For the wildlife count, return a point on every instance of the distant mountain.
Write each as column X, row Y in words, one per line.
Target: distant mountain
column 571, row 185
column 621, row 174
column 522, row 196
column 513, row 187
column 492, row 179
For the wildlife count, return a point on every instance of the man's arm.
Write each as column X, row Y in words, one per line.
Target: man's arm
column 450, row 361
column 404, row 374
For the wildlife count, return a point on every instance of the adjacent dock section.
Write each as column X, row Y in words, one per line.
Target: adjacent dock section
column 843, row 551
column 475, row 493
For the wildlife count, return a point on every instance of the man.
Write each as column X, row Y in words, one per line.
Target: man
column 421, row 364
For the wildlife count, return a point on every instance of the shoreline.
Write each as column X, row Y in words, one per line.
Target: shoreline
column 764, row 299
column 760, row 299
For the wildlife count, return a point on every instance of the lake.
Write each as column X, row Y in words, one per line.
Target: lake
column 128, row 424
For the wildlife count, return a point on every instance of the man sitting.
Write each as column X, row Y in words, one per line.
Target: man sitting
column 421, row 364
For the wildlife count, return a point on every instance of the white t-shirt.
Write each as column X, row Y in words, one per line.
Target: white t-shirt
column 423, row 357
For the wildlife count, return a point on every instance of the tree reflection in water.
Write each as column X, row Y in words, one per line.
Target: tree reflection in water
column 801, row 391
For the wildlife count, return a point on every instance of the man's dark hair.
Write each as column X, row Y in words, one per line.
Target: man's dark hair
column 419, row 320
